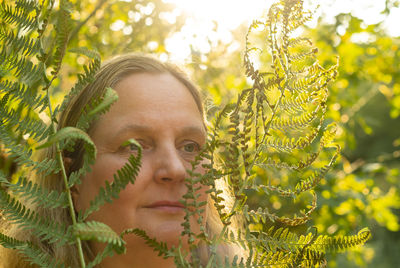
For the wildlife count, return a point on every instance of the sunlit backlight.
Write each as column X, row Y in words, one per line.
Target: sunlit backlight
column 209, row 22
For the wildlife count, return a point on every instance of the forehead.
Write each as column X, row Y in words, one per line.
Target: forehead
column 152, row 100
column 160, row 91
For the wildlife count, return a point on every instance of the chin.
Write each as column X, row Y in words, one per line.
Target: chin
column 169, row 233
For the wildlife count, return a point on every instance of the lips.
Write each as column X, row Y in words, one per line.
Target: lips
column 166, row 206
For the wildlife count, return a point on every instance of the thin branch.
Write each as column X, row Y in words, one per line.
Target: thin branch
column 76, row 30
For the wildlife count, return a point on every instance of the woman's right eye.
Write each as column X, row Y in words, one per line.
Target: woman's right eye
column 132, row 146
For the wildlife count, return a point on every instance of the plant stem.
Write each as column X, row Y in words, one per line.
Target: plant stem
column 67, row 189
column 59, row 157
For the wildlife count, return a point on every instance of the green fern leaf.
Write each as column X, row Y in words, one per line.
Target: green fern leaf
column 63, row 28
column 107, row 252
column 26, row 219
column 98, row 231
column 33, row 254
column 70, row 133
column 339, row 243
column 19, row 44
column 127, row 174
column 83, row 79
column 34, row 193
column 96, row 108
column 160, row 247
column 18, row 15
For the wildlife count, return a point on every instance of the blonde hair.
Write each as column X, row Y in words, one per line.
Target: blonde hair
column 109, row 75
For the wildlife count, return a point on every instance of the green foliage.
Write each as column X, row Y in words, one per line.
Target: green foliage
column 273, row 140
column 160, row 247
column 34, row 193
column 32, row 253
column 364, row 189
column 100, row 232
column 124, row 176
column 27, row 219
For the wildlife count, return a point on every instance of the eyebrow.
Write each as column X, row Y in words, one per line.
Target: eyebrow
column 187, row 130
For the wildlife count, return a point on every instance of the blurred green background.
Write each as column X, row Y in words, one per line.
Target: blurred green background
column 363, row 188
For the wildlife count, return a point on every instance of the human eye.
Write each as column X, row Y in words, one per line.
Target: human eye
column 132, row 146
column 190, row 147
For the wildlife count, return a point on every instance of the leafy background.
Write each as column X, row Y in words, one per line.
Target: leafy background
column 363, row 188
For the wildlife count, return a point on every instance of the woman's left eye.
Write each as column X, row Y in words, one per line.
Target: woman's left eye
column 191, row 147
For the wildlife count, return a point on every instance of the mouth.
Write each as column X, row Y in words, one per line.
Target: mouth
column 167, row 206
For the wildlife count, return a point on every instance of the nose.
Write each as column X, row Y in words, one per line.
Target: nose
column 169, row 166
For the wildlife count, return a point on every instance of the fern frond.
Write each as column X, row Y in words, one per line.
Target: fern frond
column 339, row 243
column 97, row 107
column 27, row 219
column 160, row 247
column 83, row 79
column 301, row 55
column 127, row 174
column 294, row 15
column 100, row 232
column 22, row 155
column 295, row 122
column 35, row 127
column 265, row 258
column 70, row 133
column 281, row 164
column 19, row 44
column 91, row 54
column 19, row 15
column 286, row 144
column 46, row 167
column 300, row 85
column 63, row 28
column 296, row 103
column 33, row 254
column 293, row 42
column 26, row 5
column 259, row 216
column 67, row 135
column 22, row 66
column 36, row 194
column 313, row 180
column 27, row 125
column 262, row 215
column 299, row 220
column 19, row 93
column 107, row 252
column 282, row 238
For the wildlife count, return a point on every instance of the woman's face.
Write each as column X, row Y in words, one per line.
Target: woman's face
column 159, row 112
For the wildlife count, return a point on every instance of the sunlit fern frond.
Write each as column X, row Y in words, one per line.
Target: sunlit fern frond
column 19, row 44
column 85, row 78
column 63, row 28
column 23, row 14
column 326, row 243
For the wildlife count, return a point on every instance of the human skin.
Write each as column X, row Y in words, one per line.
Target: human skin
column 159, row 112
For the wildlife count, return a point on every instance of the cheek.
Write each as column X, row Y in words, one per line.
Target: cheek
column 133, row 193
column 102, row 171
